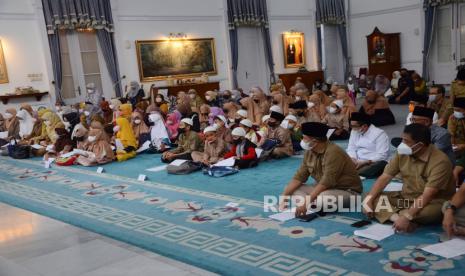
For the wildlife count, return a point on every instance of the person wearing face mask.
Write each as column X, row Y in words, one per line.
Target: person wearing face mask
column 418, row 100
column 139, row 127
column 135, row 93
column 376, row 107
column 256, row 105
column 162, row 104
column 12, row 124
column 63, row 144
column 173, row 121
column 368, row 146
column 438, row 102
column 114, row 106
column 211, row 98
column 456, row 125
column 406, row 88
column 222, row 129
column 457, row 89
column 52, row 122
column 291, row 122
column 281, row 100
column 329, row 165
column 300, row 111
column 230, row 108
column 395, row 81
column 277, row 141
column 125, row 141
column 348, row 105
column 337, row 120
column 93, row 95
column 301, row 94
column 195, row 100
column 316, row 110
column 125, row 111
column 426, row 174
column 97, row 150
column 242, row 150
column 225, row 97
column 204, row 116
column 79, row 136
column 26, row 123
column 213, row 150
column 250, row 133
column 188, row 141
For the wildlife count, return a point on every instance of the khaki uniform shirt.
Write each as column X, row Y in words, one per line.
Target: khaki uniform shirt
column 188, row 144
column 432, row 169
column 444, row 109
column 457, row 90
column 214, row 151
column 456, row 129
column 336, row 121
column 331, row 167
column 283, row 135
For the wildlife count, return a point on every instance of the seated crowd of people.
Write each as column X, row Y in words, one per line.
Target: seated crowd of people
column 254, row 126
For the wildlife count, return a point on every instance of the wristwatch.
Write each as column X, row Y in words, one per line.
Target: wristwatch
column 451, row 206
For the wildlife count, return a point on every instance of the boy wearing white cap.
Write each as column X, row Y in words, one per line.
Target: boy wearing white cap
column 251, row 135
column 188, row 141
column 337, row 120
column 214, row 148
column 242, row 150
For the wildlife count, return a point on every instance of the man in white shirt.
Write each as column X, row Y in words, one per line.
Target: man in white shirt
column 368, row 146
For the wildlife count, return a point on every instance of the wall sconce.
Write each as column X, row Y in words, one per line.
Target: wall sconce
column 174, row 36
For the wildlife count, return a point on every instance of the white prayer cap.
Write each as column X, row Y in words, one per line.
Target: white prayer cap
column 291, row 118
column 209, row 129
column 246, row 122
column 276, row 108
column 222, row 118
column 188, row 121
column 238, row 131
column 265, row 118
column 339, row 103
column 242, row 113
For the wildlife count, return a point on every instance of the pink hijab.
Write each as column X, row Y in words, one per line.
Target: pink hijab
column 172, row 123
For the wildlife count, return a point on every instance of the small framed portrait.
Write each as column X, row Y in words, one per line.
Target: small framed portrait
column 294, row 50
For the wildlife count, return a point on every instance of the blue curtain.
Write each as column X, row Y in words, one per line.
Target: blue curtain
column 320, row 47
column 333, row 12
column 75, row 15
column 248, row 13
column 430, row 21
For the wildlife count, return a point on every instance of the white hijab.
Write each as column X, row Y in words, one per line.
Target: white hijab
column 158, row 131
column 26, row 124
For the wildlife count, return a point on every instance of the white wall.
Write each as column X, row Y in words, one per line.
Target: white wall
column 24, row 51
column 393, row 16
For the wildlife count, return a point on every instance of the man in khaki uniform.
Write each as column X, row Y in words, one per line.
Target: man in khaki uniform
column 330, row 166
column 427, row 183
column 188, row 141
column 437, row 101
column 214, row 150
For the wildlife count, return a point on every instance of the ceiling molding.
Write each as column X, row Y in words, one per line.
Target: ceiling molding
column 204, row 18
column 387, row 11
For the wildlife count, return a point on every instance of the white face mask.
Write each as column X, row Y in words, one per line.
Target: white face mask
column 192, row 96
column 112, row 106
column 458, row 115
column 432, row 98
column 137, row 121
column 91, row 138
column 310, row 104
column 404, row 149
column 67, row 125
column 90, row 91
column 233, row 97
column 116, row 129
column 158, row 100
column 87, row 113
column 208, row 98
column 8, row 116
column 215, row 125
column 305, row 145
column 50, row 148
column 331, row 109
column 154, row 118
column 298, row 98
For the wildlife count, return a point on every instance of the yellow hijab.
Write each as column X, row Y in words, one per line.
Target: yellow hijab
column 125, row 111
column 125, row 133
column 55, row 122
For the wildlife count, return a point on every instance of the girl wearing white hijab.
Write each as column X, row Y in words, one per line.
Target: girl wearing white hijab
column 395, row 81
column 26, row 123
column 158, row 133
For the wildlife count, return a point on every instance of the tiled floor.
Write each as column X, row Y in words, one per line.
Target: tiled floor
column 32, row 245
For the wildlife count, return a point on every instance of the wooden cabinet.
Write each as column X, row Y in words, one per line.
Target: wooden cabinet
column 308, row 78
column 383, row 53
column 201, row 88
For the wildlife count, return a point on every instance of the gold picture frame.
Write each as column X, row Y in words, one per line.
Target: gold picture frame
column 294, row 50
column 159, row 59
column 3, row 71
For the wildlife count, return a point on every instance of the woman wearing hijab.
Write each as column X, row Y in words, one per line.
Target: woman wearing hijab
column 381, row 84
column 63, row 145
column 256, row 105
column 211, row 98
column 79, row 136
column 162, row 104
column 230, row 109
column 12, row 124
column 93, row 95
column 184, row 108
column 126, row 143
column 195, row 100
column 140, row 128
column 159, row 137
column 125, row 111
column 214, row 112
column 135, row 93
column 316, row 110
column 26, row 123
column 281, row 100
column 97, row 149
column 114, row 106
column 52, row 122
column 172, row 124
column 395, row 81
column 337, row 120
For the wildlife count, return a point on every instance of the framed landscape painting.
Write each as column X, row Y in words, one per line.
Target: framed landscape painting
column 158, row 59
column 3, row 73
column 294, row 50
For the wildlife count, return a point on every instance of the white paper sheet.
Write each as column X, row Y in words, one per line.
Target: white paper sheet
column 449, row 249
column 157, row 169
column 284, row 216
column 81, row 152
column 119, row 145
column 232, row 204
column 330, row 132
column 376, row 232
column 225, row 163
column 4, row 134
column 258, row 152
column 36, row 146
column 69, row 154
column 393, row 187
column 388, row 93
column 99, row 170
column 142, row 177
column 178, row 162
column 144, row 147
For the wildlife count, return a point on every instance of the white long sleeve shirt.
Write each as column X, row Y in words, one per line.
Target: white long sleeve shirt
column 372, row 145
